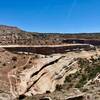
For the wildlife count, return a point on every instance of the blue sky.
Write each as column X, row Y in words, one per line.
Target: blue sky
column 52, row 15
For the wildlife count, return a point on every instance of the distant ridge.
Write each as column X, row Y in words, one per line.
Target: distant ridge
column 13, row 35
column 5, row 27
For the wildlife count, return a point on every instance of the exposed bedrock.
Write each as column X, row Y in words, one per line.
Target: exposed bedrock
column 45, row 74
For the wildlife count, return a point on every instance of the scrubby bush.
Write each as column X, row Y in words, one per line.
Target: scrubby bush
column 4, row 64
column 14, row 58
column 58, row 87
column 14, row 66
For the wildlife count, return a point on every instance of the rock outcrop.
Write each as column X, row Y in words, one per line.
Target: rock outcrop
column 45, row 74
column 39, row 74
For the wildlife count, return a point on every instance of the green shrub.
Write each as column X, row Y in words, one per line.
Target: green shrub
column 14, row 58
column 4, row 64
column 58, row 87
column 82, row 81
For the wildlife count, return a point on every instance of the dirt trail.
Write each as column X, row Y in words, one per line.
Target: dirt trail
column 12, row 74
